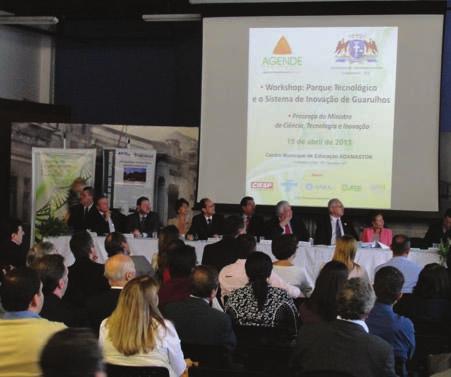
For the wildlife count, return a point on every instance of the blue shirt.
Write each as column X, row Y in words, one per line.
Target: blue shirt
column 409, row 270
column 20, row 315
column 393, row 328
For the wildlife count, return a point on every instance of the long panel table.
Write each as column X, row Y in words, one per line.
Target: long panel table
column 312, row 258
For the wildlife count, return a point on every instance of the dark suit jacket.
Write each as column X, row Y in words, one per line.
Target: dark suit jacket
column 221, row 253
column 98, row 224
column 101, row 306
column 197, row 323
column 150, row 224
column 323, row 232
column 77, row 219
column 297, row 226
column 85, row 280
column 342, row 346
column 256, row 226
column 200, row 227
column 57, row 310
column 435, row 233
column 12, row 254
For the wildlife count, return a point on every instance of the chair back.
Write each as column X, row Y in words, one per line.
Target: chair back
column 128, row 371
column 213, row 356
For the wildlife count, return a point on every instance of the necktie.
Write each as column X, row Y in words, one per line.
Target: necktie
column 86, row 211
column 287, row 229
column 338, row 229
column 209, row 221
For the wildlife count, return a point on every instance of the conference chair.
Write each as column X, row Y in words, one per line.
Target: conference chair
column 128, row 371
column 211, row 356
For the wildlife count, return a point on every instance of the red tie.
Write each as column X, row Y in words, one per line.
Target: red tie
column 287, row 229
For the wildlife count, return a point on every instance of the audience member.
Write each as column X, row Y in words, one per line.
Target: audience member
column 260, row 304
column 206, row 224
column 136, row 334
column 285, row 223
column 23, row 333
column 401, row 248
column 284, row 249
column 376, row 232
column 72, row 353
column 234, row 275
column 182, row 260
column 430, row 300
column 54, row 277
column 253, row 224
column 119, row 270
column 39, row 250
column 80, row 214
column 345, row 251
column 12, row 252
column 103, row 220
column 183, row 217
column 322, row 304
column 195, row 321
column 144, row 222
column 439, row 230
column 85, row 275
column 166, row 237
column 382, row 321
column 116, row 243
column 344, row 345
column 333, row 226
column 223, row 252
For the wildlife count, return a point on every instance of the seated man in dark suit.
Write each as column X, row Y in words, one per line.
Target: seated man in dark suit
column 144, row 222
column 206, row 224
column 344, row 345
column 440, row 230
column 103, row 220
column 119, row 270
column 12, row 252
column 195, row 321
column 285, row 223
column 116, row 243
column 85, row 275
column 334, row 225
column 80, row 213
column 54, row 277
column 223, row 252
column 253, row 223
column 181, row 261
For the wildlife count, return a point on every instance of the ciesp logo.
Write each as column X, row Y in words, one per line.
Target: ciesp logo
column 357, row 48
column 282, row 56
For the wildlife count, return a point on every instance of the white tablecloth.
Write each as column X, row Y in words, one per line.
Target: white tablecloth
column 312, row 258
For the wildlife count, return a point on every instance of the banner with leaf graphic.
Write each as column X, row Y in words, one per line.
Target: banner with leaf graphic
column 56, row 174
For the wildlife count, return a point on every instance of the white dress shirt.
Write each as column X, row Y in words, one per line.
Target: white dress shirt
column 359, row 322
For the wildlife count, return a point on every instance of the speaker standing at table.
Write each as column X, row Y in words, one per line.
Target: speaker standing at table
column 286, row 223
column 144, row 222
column 333, row 226
column 208, row 223
column 103, row 220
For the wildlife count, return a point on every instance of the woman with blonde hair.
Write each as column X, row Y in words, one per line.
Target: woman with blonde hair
column 136, row 334
column 345, row 251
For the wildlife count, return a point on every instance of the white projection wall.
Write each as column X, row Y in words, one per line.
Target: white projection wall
column 309, row 108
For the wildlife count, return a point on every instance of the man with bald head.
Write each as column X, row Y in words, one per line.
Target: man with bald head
column 195, row 321
column 119, row 270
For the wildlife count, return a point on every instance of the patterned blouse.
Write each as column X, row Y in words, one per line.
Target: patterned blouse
column 279, row 310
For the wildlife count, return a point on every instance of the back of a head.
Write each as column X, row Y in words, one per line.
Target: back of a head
column 204, row 279
column 129, row 324
column 433, row 282
column 18, row 289
column 118, row 267
column 245, row 245
column 285, row 246
column 181, row 261
column 114, row 243
column 72, row 352
column 388, row 283
column 81, row 244
column 167, row 235
column 329, row 282
column 233, row 225
column 355, row 299
column 345, row 250
column 50, row 269
column 400, row 245
column 258, row 269
column 39, row 250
